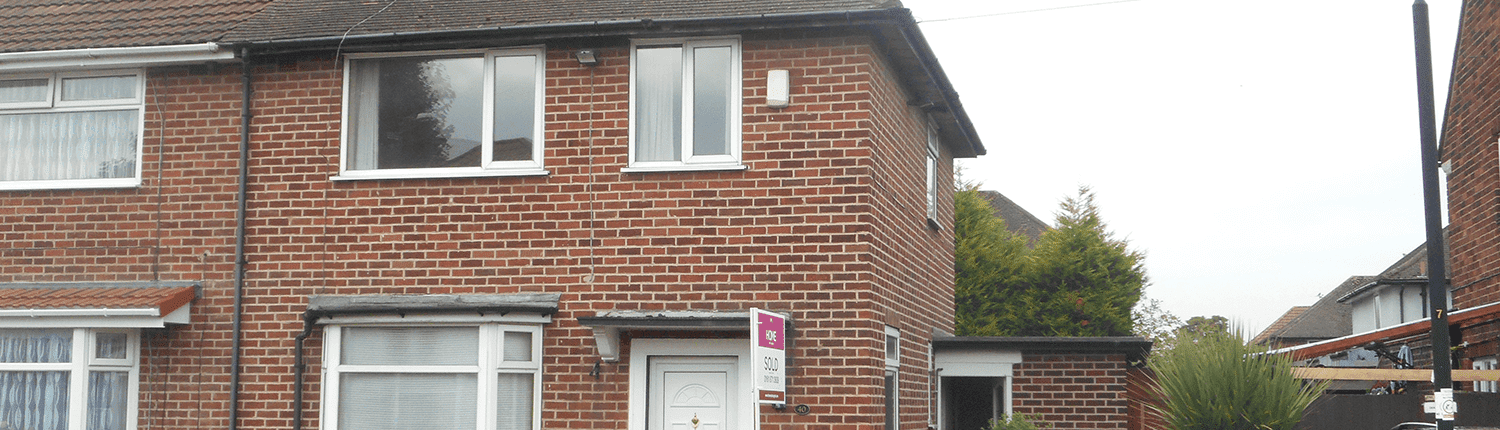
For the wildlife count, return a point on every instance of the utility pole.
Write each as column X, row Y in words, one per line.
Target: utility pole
column 1437, row 276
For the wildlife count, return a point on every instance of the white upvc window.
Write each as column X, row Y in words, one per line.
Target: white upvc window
column 685, row 105
column 466, row 376
column 443, row 114
column 932, row 175
column 892, row 378
column 1488, row 363
column 69, row 378
column 71, row 129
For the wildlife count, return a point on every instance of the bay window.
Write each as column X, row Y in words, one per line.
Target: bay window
column 685, row 105
column 71, row 130
column 485, row 376
column 68, row 378
column 442, row 114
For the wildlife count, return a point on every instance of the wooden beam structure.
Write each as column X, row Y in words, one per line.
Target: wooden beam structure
column 1370, row 374
column 1418, row 327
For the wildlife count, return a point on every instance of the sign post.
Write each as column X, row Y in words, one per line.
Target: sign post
column 768, row 356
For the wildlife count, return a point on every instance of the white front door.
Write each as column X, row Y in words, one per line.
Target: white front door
column 692, row 393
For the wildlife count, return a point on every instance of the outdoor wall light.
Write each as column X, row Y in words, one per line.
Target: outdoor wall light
column 586, row 57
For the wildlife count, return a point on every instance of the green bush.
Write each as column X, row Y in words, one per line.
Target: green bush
column 1015, row 422
column 1218, row 382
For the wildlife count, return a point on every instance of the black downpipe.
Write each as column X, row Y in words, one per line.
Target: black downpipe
column 1437, row 276
column 239, row 242
column 300, row 369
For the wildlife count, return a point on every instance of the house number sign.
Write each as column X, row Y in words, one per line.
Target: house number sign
column 768, row 356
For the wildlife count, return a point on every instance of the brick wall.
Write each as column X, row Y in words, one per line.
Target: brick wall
column 799, row 231
column 1073, row 391
column 828, row 223
column 1469, row 144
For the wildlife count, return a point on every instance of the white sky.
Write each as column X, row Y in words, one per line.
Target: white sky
column 1259, row 152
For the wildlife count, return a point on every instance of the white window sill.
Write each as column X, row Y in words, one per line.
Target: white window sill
column 685, row 168
column 367, row 175
column 69, row 184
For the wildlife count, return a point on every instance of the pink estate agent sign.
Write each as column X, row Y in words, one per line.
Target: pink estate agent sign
column 768, row 355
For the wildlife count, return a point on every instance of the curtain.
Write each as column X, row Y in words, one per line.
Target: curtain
column 68, row 145
column 408, row 401
column 107, row 400
column 35, row 399
column 658, row 110
column 515, row 401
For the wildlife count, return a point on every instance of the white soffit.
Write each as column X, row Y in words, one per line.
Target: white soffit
column 99, row 58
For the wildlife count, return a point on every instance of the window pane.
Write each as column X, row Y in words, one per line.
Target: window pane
column 107, row 400
column 658, row 110
column 374, row 401
column 435, row 346
column 36, row 346
column 517, row 346
column 712, row 83
column 34, row 400
column 515, row 401
column 416, row 112
column 99, row 88
column 72, row 145
column 110, row 346
column 23, row 90
column 515, row 107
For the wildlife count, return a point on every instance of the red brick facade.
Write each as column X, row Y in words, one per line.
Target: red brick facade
column 1469, row 136
column 1074, row 391
column 827, row 223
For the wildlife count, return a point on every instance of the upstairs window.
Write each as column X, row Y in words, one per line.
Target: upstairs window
column 71, row 130
column 932, row 176
column 685, row 105
column 468, row 113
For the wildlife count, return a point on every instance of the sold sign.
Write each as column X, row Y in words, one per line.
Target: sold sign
column 768, row 355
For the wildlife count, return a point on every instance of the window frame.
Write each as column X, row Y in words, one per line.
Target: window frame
column 491, row 361
column 56, row 105
column 933, row 142
column 487, row 166
column 82, row 363
column 892, row 378
column 688, row 161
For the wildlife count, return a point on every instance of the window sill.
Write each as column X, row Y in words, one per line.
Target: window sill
column 69, row 184
column 434, row 174
column 685, row 168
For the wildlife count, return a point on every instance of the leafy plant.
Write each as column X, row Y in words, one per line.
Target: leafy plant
column 1016, row 422
column 1218, row 382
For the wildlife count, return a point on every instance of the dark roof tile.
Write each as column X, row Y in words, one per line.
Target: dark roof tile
column 301, row 19
column 41, row 25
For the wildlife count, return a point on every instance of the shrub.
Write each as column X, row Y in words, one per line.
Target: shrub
column 1218, row 382
column 1015, row 422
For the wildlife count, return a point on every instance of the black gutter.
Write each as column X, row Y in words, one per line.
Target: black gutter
column 239, row 241
column 893, row 20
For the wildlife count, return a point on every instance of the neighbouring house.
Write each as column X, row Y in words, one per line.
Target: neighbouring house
column 1472, row 165
column 302, row 214
column 1017, row 219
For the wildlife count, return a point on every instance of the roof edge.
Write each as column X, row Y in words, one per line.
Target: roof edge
column 93, row 58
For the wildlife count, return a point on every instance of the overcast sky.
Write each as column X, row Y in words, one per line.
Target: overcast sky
column 1258, row 152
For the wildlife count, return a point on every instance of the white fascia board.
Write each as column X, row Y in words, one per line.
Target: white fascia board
column 101, row 58
column 92, row 317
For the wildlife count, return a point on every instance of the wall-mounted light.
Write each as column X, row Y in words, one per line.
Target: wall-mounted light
column 586, row 57
column 778, row 88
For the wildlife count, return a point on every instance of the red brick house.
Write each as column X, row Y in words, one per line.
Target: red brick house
column 469, row 213
column 303, row 214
